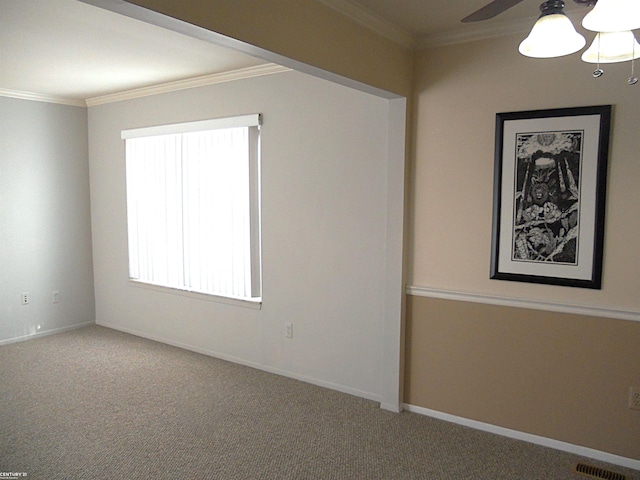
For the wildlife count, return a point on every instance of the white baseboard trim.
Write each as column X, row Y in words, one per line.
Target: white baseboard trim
column 391, row 407
column 592, row 311
column 44, row 333
column 528, row 437
column 247, row 363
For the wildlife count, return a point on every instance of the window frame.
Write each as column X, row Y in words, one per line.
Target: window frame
column 253, row 122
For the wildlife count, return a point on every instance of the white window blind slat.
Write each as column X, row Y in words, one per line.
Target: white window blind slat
column 192, row 217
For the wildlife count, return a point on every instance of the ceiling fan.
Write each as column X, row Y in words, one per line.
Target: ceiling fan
column 553, row 34
column 497, row 7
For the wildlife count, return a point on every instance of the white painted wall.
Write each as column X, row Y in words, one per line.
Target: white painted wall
column 45, row 237
column 324, row 208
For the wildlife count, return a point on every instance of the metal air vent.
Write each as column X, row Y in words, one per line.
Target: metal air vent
column 597, row 472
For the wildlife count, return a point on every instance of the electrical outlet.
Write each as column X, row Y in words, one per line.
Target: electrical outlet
column 24, row 298
column 55, row 296
column 288, row 329
column 634, row 398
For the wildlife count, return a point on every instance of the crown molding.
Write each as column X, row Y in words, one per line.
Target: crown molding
column 372, row 21
column 202, row 81
column 38, row 97
column 465, row 33
column 476, row 31
column 239, row 74
column 489, row 29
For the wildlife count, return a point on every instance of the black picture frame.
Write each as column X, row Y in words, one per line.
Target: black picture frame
column 550, row 176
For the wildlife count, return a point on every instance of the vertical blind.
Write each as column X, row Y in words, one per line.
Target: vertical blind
column 193, row 207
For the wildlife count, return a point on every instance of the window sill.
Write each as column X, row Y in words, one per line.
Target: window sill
column 240, row 302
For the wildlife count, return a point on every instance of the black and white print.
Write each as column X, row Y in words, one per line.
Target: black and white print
column 547, row 197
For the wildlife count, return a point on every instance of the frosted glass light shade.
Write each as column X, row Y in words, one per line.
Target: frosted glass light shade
column 613, row 16
column 552, row 36
column 614, row 47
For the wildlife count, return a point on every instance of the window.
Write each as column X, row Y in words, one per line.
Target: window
column 193, row 206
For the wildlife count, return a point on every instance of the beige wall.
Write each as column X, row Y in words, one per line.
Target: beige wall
column 303, row 30
column 561, row 376
column 459, row 89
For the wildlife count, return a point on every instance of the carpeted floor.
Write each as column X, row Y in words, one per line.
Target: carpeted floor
column 95, row 403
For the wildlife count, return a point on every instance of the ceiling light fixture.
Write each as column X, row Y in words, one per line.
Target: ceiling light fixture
column 613, row 16
column 612, row 47
column 553, row 34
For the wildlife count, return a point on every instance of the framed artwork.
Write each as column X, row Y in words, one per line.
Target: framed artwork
column 549, row 196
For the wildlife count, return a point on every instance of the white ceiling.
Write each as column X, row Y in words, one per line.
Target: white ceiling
column 65, row 48
column 69, row 49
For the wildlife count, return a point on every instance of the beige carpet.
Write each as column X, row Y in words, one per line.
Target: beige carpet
column 95, row 403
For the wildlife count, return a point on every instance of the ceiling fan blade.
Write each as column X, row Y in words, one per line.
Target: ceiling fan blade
column 491, row 10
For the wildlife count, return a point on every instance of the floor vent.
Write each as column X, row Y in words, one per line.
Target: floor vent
column 596, row 472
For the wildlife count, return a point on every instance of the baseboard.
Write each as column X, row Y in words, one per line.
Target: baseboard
column 240, row 361
column 391, row 407
column 527, row 437
column 44, row 333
